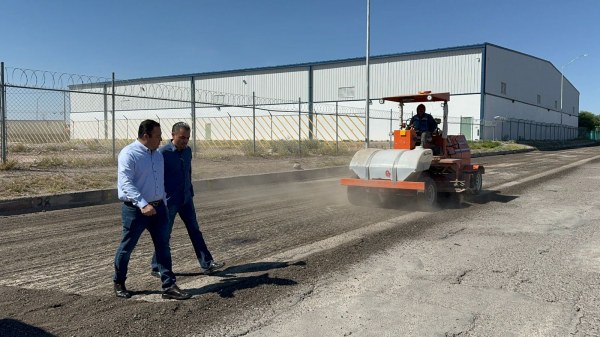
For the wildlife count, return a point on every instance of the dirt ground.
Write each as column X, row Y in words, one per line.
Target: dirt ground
column 287, row 247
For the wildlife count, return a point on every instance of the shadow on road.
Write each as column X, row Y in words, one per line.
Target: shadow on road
column 231, row 281
column 227, row 287
column 14, row 328
column 246, row 268
column 492, row 196
column 444, row 201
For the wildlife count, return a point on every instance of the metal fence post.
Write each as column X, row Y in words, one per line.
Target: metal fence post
column 391, row 128
column 253, row 122
column 530, row 136
column 502, row 130
column 65, row 115
column 315, row 126
column 193, row 102
column 271, row 115
column 114, row 150
column 3, row 111
column 126, row 127
column 230, row 139
column 337, row 125
column 104, row 95
column 299, row 125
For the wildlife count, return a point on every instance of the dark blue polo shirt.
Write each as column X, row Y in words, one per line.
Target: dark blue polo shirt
column 178, row 174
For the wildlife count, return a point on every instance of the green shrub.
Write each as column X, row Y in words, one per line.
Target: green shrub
column 90, row 163
column 484, row 144
column 8, row 165
column 18, row 147
column 49, row 162
column 95, row 145
column 284, row 147
column 247, row 147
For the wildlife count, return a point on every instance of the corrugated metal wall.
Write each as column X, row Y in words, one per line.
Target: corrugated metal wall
column 529, row 81
column 455, row 70
column 278, row 84
column 458, row 72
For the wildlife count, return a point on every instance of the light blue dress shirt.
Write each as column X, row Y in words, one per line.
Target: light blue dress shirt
column 140, row 175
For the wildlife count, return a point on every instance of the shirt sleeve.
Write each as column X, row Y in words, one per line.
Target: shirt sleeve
column 126, row 176
column 191, row 180
column 433, row 123
column 161, row 150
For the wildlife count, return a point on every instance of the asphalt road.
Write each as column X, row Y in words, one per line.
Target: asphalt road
column 302, row 261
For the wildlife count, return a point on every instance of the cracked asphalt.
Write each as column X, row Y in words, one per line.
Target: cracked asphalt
column 521, row 260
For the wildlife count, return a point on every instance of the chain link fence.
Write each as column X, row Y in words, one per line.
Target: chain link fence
column 49, row 116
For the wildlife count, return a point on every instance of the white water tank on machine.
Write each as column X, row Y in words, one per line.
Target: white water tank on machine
column 391, row 164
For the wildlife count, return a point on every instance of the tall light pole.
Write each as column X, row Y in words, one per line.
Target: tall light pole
column 562, row 80
column 245, row 92
column 367, row 67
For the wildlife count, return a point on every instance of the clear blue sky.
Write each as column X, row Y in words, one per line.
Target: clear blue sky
column 155, row 38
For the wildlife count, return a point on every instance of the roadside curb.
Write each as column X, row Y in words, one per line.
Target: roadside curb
column 500, row 153
column 44, row 203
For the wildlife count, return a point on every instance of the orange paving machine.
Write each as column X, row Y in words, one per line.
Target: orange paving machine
column 425, row 166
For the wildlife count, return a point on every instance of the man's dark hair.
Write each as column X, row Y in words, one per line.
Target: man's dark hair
column 421, row 106
column 146, row 127
column 180, row 125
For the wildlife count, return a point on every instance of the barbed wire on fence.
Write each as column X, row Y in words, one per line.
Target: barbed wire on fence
column 42, row 79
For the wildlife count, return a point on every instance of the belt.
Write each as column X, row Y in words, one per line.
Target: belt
column 153, row 203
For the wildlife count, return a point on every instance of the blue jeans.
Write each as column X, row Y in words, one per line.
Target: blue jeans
column 187, row 213
column 134, row 224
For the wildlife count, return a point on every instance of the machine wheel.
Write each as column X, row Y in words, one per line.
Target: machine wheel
column 356, row 195
column 451, row 199
column 384, row 198
column 428, row 199
column 476, row 182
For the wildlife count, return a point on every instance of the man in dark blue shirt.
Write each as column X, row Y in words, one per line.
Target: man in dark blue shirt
column 180, row 195
column 422, row 121
column 425, row 125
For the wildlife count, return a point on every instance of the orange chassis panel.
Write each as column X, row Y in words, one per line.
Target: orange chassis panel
column 400, row 185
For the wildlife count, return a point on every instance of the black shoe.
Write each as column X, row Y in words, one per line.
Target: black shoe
column 174, row 293
column 212, row 267
column 155, row 273
column 121, row 291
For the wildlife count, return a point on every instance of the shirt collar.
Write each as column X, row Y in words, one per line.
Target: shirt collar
column 141, row 146
column 171, row 146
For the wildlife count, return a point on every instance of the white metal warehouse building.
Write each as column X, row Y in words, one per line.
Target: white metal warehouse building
column 487, row 83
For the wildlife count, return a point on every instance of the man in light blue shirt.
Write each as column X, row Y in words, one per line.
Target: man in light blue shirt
column 140, row 184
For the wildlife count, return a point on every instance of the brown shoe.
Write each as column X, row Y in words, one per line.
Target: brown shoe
column 121, row 291
column 174, row 293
